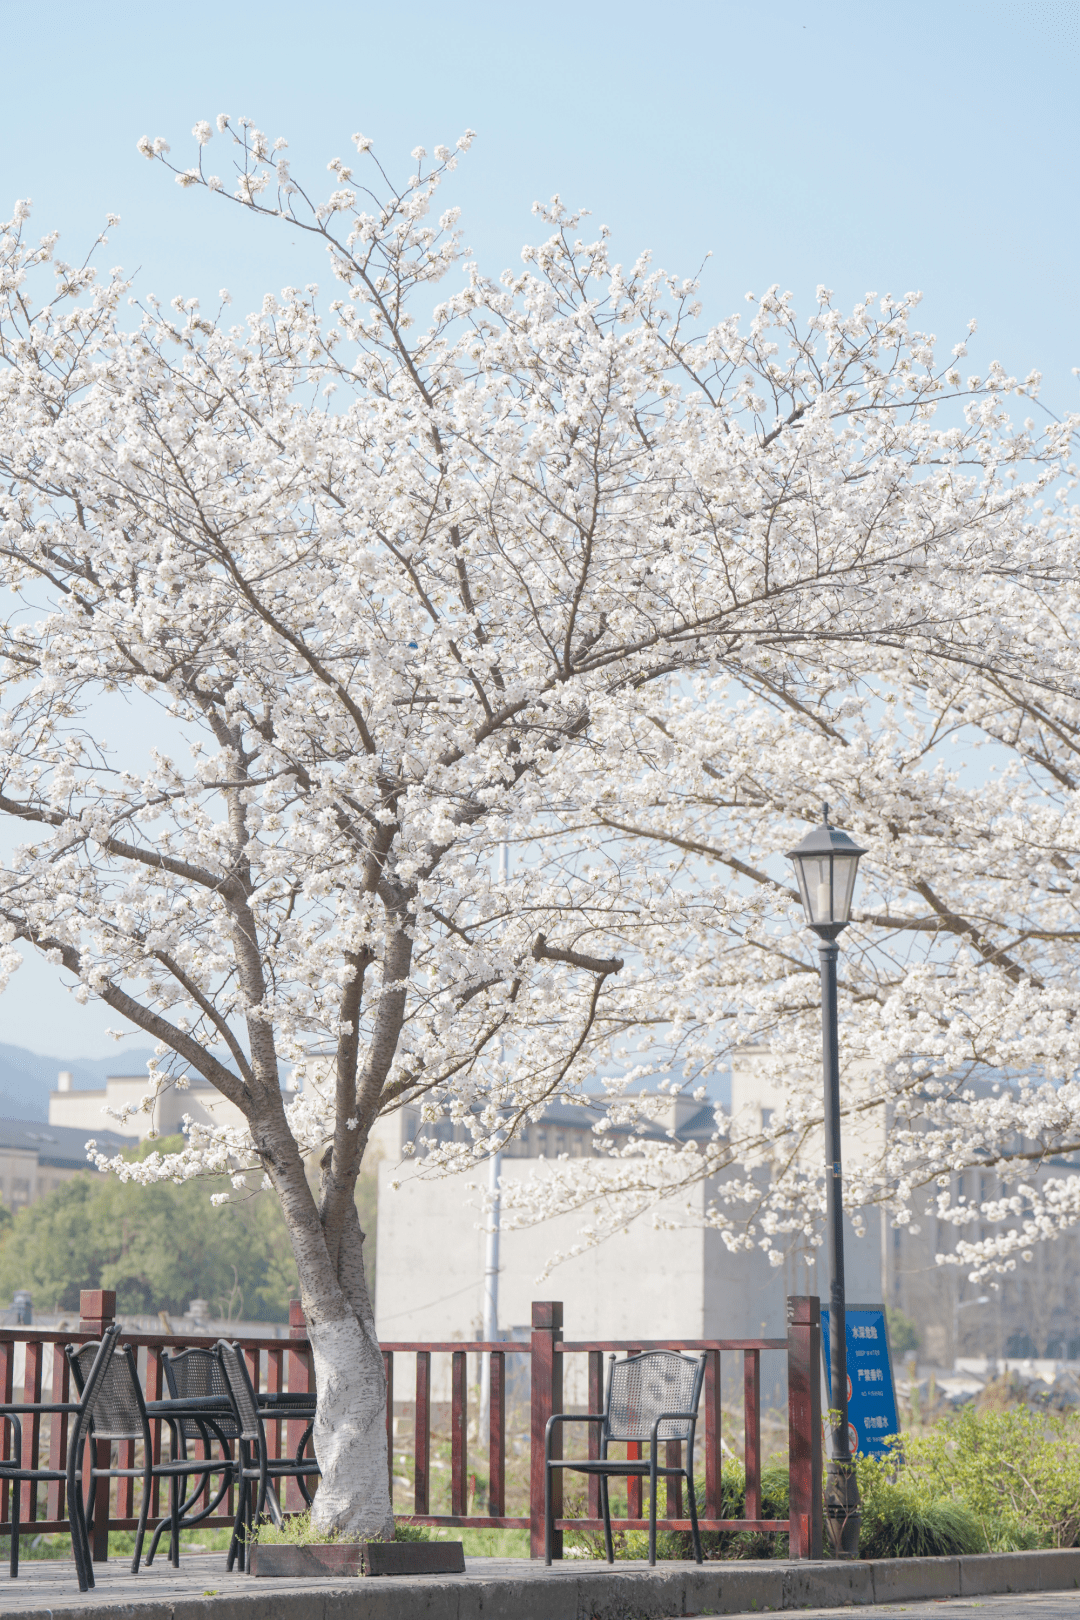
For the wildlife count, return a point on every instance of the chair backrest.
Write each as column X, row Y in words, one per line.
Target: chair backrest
column 643, row 1386
column 109, row 1387
column 195, row 1374
column 245, row 1402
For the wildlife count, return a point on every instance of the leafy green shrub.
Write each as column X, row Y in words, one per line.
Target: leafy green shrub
column 1012, row 1476
column 1018, row 1471
column 903, row 1527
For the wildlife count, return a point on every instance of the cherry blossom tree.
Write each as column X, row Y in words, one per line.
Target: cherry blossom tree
column 363, row 590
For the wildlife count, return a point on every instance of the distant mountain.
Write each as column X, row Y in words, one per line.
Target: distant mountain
column 26, row 1078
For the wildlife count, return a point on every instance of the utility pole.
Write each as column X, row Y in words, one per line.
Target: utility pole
column 490, row 1328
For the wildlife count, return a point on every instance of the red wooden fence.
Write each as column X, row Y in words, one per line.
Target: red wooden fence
column 278, row 1364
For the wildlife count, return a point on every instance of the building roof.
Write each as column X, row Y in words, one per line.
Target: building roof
column 699, row 1126
column 558, row 1114
column 61, row 1146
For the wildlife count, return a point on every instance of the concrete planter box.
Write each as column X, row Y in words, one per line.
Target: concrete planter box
column 325, row 1560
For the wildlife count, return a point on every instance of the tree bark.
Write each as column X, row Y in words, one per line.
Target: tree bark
column 353, row 1495
column 353, row 1498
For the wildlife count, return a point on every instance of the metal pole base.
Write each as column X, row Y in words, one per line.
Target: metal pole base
column 843, row 1518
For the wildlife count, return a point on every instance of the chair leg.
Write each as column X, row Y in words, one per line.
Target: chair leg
column 652, row 1506
column 174, row 1520
column 549, row 1516
column 606, row 1509
column 250, row 1521
column 88, row 1579
column 694, row 1531
column 154, row 1539
column 144, row 1509
column 15, row 1493
column 234, row 1544
column 272, row 1501
column 89, row 1509
column 245, row 1525
column 260, row 1500
column 74, row 1497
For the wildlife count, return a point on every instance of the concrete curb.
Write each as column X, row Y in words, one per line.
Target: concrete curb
column 571, row 1592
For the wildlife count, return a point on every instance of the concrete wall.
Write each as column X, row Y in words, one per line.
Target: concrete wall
column 647, row 1283
column 431, row 1266
column 651, row 1283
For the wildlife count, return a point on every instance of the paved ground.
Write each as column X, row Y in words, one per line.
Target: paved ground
column 1031, row 1606
column 48, row 1586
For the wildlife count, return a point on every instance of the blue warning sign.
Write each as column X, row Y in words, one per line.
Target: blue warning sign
column 872, row 1415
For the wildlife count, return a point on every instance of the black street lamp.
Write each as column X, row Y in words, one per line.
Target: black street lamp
column 825, row 864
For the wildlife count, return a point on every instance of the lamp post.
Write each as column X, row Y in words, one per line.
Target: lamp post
column 825, row 864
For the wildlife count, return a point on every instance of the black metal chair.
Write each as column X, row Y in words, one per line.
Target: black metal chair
column 14, row 1474
column 650, row 1397
column 118, row 1412
column 196, row 1376
column 256, row 1470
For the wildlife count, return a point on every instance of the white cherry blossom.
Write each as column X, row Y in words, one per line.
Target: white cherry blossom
column 548, row 563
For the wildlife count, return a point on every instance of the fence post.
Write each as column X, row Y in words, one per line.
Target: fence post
column 459, row 1435
column 58, row 1433
column 35, row 1355
column 422, row 1434
column 388, row 1374
column 496, row 1433
column 752, row 1431
column 596, row 1404
column 546, row 1393
column 299, row 1372
column 7, row 1380
column 713, row 1431
column 804, row 1424
column 97, row 1311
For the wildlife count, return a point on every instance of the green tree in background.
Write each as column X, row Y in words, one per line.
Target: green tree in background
column 904, row 1336
column 159, row 1247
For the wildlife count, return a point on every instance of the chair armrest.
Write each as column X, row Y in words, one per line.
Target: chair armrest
column 299, row 1402
column 13, row 1419
column 665, row 1417
column 188, row 1406
column 568, row 1417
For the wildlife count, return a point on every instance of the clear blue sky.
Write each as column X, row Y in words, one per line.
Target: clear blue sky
column 930, row 144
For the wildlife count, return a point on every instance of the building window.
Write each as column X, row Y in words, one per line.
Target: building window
column 20, row 1192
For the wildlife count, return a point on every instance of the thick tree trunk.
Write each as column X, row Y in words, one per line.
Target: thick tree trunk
column 353, row 1498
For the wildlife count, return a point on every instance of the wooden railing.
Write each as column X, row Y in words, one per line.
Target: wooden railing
column 274, row 1365
column 279, row 1364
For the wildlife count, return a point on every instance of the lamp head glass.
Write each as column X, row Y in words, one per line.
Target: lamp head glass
column 825, row 863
